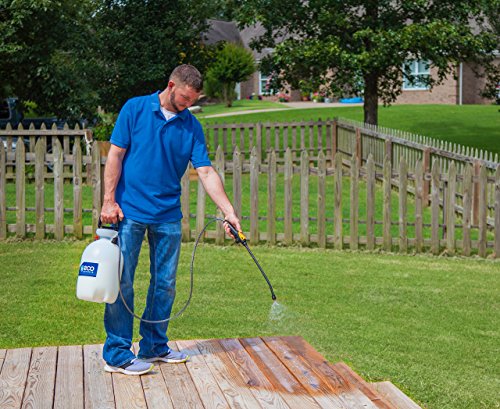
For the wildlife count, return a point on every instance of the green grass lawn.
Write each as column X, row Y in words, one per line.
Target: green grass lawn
column 430, row 325
column 239, row 105
column 477, row 126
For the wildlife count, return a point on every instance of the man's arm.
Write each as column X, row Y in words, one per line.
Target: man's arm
column 111, row 211
column 215, row 189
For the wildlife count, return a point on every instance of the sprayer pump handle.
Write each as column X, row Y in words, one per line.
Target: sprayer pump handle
column 110, row 227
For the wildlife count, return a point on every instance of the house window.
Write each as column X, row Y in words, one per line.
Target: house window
column 264, row 88
column 415, row 72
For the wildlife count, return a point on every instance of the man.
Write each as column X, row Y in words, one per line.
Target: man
column 154, row 139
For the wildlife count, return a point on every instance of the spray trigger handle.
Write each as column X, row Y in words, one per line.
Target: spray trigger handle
column 239, row 237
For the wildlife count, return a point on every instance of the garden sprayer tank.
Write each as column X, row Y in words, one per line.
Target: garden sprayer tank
column 98, row 279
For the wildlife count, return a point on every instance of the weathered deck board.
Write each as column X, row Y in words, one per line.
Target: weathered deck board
column 279, row 376
column 229, row 379
column 13, row 377
column 155, row 389
column 362, row 385
column 255, row 373
column 180, row 385
column 69, row 374
column 2, row 357
column 208, row 388
column 332, row 390
column 259, row 384
column 41, row 379
column 389, row 391
column 98, row 384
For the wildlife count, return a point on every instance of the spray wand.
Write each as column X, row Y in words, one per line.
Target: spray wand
column 240, row 238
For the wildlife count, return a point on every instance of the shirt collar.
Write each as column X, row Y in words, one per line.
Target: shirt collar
column 155, row 106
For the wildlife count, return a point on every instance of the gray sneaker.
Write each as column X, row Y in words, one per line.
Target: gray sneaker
column 171, row 357
column 134, row 367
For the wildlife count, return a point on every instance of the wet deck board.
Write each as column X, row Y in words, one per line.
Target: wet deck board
column 254, row 373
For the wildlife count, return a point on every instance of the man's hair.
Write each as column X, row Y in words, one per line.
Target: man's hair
column 188, row 75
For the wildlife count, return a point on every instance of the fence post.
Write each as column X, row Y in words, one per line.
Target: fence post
column 3, row 192
column 497, row 212
column 403, row 205
column 259, row 142
column 219, row 167
column 475, row 193
column 254, row 196
column 58, row 190
column 40, row 149
column 482, row 211
column 271, row 197
column 435, row 208
column 359, row 149
column 387, row 169
column 321, row 200
column 237, row 181
column 334, row 138
column 370, row 203
column 388, row 149
column 185, row 223
column 304, row 194
column 354, row 208
column 96, row 185
column 450, row 212
column 467, row 203
column 337, row 209
column 20, row 189
column 288, row 197
column 77, row 191
column 419, row 179
column 426, row 156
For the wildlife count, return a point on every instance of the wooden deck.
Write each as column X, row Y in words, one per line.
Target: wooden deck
column 271, row 372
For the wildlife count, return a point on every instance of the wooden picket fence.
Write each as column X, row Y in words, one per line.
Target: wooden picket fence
column 66, row 136
column 281, row 219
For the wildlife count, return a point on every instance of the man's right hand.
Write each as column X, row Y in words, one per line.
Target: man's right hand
column 111, row 213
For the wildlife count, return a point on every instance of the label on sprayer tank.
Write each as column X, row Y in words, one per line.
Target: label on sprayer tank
column 88, row 269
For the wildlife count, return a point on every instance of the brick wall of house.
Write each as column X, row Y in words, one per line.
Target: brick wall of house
column 446, row 93
column 246, row 88
column 472, row 86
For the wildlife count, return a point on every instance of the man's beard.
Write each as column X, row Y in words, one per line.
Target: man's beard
column 172, row 102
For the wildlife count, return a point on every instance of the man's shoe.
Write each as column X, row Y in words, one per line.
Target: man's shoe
column 171, row 357
column 134, row 367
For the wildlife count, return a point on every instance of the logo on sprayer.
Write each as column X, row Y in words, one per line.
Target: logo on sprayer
column 88, row 269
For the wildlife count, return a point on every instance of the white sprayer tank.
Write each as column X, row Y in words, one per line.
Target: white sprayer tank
column 98, row 279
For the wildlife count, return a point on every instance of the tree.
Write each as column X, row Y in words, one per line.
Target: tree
column 233, row 64
column 43, row 45
column 139, row 43
column 365, row 45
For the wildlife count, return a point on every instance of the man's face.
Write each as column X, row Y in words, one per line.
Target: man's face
column 182, row 96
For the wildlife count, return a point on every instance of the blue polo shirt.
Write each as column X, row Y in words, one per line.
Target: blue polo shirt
column 158, row 153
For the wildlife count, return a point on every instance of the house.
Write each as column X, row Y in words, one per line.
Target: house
column 462, row 88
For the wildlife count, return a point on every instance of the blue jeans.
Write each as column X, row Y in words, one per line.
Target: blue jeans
column 164, row 247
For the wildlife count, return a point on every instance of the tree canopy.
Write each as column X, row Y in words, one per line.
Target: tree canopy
column 139, row 43
column 364, row 46
column 70, row 56
column 43, row 44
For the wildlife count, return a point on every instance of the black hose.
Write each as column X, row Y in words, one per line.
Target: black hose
column 239, row 238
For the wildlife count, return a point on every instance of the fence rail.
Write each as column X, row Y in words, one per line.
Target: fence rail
column 302, row 199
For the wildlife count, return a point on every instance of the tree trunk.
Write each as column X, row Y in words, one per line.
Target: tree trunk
column 371, row 99
column 228, row 97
